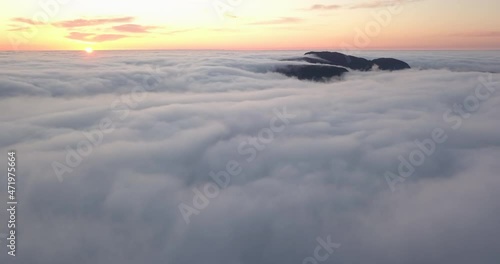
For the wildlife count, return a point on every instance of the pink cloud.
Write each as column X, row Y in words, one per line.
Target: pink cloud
column 366, row 4
column 382, row 3
column 479, row 34
column 325, row 7
column 92, row 22
column 107, row 37
column 133, row 28
column 27, row 21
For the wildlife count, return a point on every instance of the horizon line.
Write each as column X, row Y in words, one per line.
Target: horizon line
column 301, row 49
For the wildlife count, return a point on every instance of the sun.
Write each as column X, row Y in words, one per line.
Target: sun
column 89, row 50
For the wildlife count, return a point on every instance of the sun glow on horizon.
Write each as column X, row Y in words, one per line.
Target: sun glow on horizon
column 89, row 50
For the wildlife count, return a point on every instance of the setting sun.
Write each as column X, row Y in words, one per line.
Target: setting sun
column 89, row 50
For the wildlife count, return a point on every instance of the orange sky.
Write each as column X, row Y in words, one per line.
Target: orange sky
column 249, row 24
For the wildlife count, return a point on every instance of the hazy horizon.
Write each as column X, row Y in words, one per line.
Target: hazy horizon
column 270, row 50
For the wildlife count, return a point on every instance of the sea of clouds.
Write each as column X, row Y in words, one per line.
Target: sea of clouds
column 211, row 157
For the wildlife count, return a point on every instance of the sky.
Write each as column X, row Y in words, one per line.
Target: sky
column 249, row 25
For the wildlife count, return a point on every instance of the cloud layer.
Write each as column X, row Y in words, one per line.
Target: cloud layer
column 321, row 175
column 92, row 22
column 363, row 5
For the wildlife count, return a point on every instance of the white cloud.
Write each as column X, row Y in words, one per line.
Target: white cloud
column 323, row 175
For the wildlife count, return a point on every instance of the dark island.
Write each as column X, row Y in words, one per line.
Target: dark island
column 324, row 65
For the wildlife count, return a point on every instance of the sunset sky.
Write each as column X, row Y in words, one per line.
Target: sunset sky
column 249, row 24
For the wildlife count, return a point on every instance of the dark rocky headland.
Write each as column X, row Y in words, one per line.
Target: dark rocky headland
column 324, row 65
